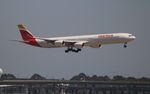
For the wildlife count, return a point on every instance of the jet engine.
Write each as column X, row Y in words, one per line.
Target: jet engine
column 95, row 45
column 59, row 43
column 79, row 45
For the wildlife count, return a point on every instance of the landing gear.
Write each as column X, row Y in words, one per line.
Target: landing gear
column 125, row 45
column 66, row 51
column 73, row 50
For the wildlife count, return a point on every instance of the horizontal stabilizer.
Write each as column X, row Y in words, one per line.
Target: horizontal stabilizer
column 20, row 41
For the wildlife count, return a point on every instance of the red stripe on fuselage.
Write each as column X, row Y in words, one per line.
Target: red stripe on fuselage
column 29, row 38
column 33, row 42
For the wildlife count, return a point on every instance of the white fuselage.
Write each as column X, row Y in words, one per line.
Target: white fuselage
column 91, row 40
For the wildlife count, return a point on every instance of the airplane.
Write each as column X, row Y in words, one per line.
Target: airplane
column 74, row 43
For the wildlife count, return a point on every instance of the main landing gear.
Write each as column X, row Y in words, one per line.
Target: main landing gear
column 125, row 45
column 73, row 50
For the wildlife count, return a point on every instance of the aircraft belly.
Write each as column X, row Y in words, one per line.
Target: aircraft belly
column 113, row 41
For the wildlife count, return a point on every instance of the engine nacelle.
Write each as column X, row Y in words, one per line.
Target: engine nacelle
column 59, row 43
column 79, row 45
column 95, row 45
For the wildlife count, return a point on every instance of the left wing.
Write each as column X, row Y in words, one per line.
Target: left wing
column 76, row 44
column 67, row 43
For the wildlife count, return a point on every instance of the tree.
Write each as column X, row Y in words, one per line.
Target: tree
column 106, row 78
column 94, row 78
column 131, row 79
column 8, row 77
column 37, row 77
column 81, row 76
column 144, row 79
column 119, row 78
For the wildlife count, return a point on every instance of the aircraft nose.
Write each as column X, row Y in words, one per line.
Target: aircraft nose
column 133, row 37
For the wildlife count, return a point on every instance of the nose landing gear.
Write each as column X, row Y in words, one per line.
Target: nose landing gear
column 125, row 45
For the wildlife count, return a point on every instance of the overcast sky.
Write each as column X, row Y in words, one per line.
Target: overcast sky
column 51, row 18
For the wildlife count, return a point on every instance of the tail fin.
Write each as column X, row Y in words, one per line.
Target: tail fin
column 26, row 35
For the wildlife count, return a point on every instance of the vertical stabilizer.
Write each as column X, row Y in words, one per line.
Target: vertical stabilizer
column 26, row 35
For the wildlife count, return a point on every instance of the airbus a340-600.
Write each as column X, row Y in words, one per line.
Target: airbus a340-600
column 74, row 43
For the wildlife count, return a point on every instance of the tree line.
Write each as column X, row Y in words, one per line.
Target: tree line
column 81, row 76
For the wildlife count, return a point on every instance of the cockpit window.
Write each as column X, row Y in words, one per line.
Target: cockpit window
column 130, row 35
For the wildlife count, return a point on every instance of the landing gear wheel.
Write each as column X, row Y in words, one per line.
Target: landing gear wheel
column 73, row 50
column 66, row 51
column 125, row 45
column 78, row 49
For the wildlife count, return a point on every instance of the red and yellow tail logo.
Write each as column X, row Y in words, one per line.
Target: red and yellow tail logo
column 21, row 27
column 26, row 35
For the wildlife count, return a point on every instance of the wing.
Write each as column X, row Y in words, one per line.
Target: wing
column 76, row 44
column 67, row 43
